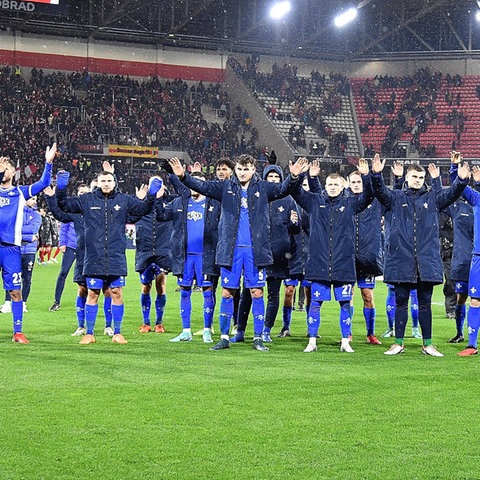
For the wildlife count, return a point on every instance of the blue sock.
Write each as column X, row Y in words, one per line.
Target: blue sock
column 267, row 330
column 460, row 311
column 146, row 303
column 90, row 317
column 369, row 314
column 117, row 317
column 414, row 308
column 345, row 319
column 287, row 317
column 313, row 318
column 226, row 312
column 352, row 311
column 390, row 301
column 160, row 303
column 208, row 308
column 107, row 310
column 185, row 307
column 473, row 322
column 258, row 312
column 80, row 304
column 17, row 313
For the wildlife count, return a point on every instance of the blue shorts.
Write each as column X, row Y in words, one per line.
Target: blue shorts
column 150, row 274
column 366, row 282
column 193, row 269
column 290, row 282
column 106, row 281
column 11, row 265
column 461, row 287
column 306, row 283
column 474, row 277
column 243, row 261
column 323, row 292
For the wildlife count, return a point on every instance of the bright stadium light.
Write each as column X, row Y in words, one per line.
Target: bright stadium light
column 345, row 17
column 280, row 9
column 477, row 16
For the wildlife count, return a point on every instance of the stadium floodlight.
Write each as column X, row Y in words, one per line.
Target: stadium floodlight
column 280, row 9
column 346, row 17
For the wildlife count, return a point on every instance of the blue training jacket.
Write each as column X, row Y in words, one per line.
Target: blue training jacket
column 412, row 246
column 176, row 211
column 228, row 193
column 105, row 217
column 332, row 233
column 31, row 224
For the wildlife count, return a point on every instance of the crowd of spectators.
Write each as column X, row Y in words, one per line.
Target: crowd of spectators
column 414, row 112
column 80, row 109
column 292, row 92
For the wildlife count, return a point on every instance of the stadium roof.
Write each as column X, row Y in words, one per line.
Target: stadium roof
column 382, row 27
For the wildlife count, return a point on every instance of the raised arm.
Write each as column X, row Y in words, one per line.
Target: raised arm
column 46, row 177
column 380, row 190
column 57, row 213
column 448, row 196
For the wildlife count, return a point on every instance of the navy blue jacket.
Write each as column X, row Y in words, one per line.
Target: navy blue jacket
column 282, row 231
column 32, row 221
column 332, row 233
column 369, row 241
column 461, row 214
column 176, row 211
column 104, row 219
column 412, row 247
column 152, row 241
column 228, row 193
column 77, row 219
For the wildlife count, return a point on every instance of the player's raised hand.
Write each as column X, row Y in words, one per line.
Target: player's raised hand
column 314, row 169
column 108, row 167
column 377, row 164
column 49, row 191
column 476, row 173
column 196, row 167
column 141, row 191
column 50, row 153
column 177, row 167
column 363, row 166
column 464, row 171
column 455, row 157
column 433, row 170
column 397, row 168
column 4, row 163
column 300, row 166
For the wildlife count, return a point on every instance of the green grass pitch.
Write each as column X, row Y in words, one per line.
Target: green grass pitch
column 156, row 410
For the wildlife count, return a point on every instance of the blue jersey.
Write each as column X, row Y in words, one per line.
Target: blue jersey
column 473, row 198
column 244, row 236
column 12, row 203
column 195, row 226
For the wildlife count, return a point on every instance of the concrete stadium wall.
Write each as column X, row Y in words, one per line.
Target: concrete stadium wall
column 108, row 57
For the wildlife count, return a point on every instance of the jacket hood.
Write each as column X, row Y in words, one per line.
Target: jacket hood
column 274, row 168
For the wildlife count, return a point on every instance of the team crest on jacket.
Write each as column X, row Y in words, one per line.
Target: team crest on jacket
column 342, row 208
column 280, row 208
column 117, row 207
column 257, row 194
column 425, row 205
